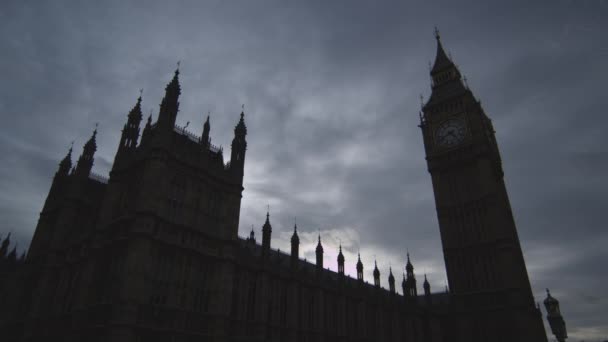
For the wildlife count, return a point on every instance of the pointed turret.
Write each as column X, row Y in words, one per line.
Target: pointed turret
column 170, row 104
column 205, row 140
column 555, row 319
column 427, row 286
column 411, row 279
column 85, row 162
column 239, row 147
column 442, row 61
column 319, row 254
column 447, row 80
column 295, row 246
column 427, row 290
column 376, row 274
column 130, row 135
column 391, row 280
column 65, row 165
column 409, row 267
column 145, row 135
column 266, row 232
column 359, row 268
column 59, row 182
column 5, row 244
column 340, row 261
column 251, row 238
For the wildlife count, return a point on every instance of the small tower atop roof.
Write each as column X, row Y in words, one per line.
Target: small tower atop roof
column 66, row 164
column 359, row 268
column 427, row 286
column 319, row 253
column 295, row 245
column 205, row 140
column 391, row 280
column 376, row 274
column 340, row 261
column 427, row 290
column 555, row 319
column 266, row 233
column 412, row 290
column 130, row 134
column 251, row 238
column 239, row 147
column 409, row 267
column 85, row 162
column 5, row 244
column 170, row 103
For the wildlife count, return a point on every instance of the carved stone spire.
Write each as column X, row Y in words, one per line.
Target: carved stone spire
column 239, row 147
column 5, row 245
column 85, row 162
column 359, row 268
column 130, row 135
column 554, row 316
column 319, row 253
column 295, row 245
column 376, row 274
column 391, row 280
column 65, row 165
column 170, row 103
column 266, row 233
column 340, row 261
column 205, row 137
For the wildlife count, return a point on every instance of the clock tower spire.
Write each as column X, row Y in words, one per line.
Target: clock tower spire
column 482, row 253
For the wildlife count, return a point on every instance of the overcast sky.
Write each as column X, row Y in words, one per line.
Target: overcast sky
column 331, row 92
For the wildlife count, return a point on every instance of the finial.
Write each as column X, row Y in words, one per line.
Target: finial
column 243, row 107
column 267, row 210
column 72, row 145
column 178, row 64
column 295, row 223
column 141, row 92
column 437, row 33
column 548, row 293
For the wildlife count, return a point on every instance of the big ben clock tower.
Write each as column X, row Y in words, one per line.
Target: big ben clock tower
column 483, row 257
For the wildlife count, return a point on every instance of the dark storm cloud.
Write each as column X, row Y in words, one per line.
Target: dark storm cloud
column 331, row 99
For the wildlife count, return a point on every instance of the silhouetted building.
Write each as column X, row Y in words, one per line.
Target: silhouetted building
column 555, row 319
column 152, row 253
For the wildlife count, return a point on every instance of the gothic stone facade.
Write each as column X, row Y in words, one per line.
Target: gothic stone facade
column 152, row 253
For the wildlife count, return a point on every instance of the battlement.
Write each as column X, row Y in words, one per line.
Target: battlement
column 182, row 131
column 99, row 178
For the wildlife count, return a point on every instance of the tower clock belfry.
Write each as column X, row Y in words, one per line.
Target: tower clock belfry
column 484, row 261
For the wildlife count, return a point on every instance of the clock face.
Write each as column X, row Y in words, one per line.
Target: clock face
column 450, row 133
